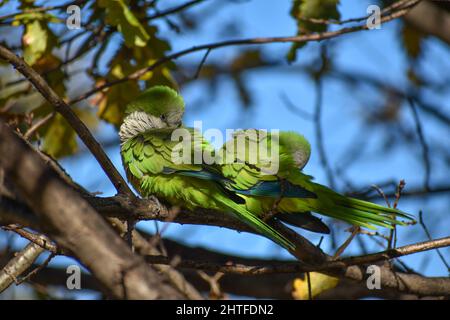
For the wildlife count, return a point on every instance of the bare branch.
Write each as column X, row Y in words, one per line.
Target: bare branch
column 42, row 9
column 19, row 264
column 64, row 214
column 148, row 209
column 174, row 9
column 423, row 144
column 62, row 107
column 352, row 267
column 239, row 42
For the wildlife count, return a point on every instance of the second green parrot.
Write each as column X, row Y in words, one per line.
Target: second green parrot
column 288, row 194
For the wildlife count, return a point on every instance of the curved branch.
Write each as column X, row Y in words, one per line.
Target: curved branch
column 19, row 264
column 352, row 267
column 64, row 109
column 250, row 41
column 75, row 226
column 148, row 209
column 292, row 267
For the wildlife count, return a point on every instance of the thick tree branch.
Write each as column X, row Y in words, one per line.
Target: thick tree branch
column 352, row 268
column 144, row 247
column 75, row 226
column 148, row 209
column 270, row 285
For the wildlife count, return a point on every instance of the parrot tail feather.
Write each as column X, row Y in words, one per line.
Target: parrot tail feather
column 363, row 213
column 257, row 224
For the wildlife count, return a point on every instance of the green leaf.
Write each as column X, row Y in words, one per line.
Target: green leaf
column 319, row 283
column 25, row 18
column 118, row 14
column 59, row 138
column 37, row 40
column 34, row 41
column 112, row 103
column 302, row 10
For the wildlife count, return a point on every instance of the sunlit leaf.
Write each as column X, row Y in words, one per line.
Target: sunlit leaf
column 25, row 18
column 112, row 103
column 59, row 139
column 37, row 40
column 118, row 14
column 319, row 283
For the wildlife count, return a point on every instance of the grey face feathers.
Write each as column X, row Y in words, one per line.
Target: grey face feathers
column 139, row 122
column 156, row 108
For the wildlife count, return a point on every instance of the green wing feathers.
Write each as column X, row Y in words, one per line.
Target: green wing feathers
column 294, row 152
column 354, row 211
column 147, row 158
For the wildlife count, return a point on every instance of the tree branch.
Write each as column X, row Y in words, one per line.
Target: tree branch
column 76, row 227
column 19, row 264
column 176, row 9
column 148, row 209
column 352, row 267
column 239, row 42
column 62, row 107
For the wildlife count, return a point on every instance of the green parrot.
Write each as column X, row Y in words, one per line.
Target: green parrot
column 148, row 149
column 287, row 193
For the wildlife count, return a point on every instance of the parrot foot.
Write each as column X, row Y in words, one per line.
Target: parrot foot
column 155, row 200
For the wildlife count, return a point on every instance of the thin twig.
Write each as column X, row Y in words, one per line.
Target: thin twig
column 295, row 267
column 42, row 9
column 382, row 194
column 38, row 239
column 39, row 124
column 176, row 9
column 423, row 143
column 308, row 279
column 355, row 230
column 19, row 264
column 238, row 42
column 319, row 133
column 294, row 109
column 37, row 269
column 427, row 232
column 202, row 62
column 404, row 4
column 392, row 243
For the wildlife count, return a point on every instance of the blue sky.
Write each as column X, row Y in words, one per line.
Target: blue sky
column 377, row 53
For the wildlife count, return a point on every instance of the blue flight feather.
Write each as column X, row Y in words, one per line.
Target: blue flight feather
column 277, row 189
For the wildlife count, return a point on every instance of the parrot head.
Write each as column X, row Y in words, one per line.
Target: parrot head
column 158, row 107
column 296, row 146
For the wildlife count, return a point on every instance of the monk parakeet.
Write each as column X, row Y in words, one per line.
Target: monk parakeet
column 147, row 153
column 288, row 193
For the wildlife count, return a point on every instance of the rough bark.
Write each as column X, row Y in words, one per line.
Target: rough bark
column 76, row 226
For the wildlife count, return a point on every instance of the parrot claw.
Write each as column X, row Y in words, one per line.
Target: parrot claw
column 155, row 200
